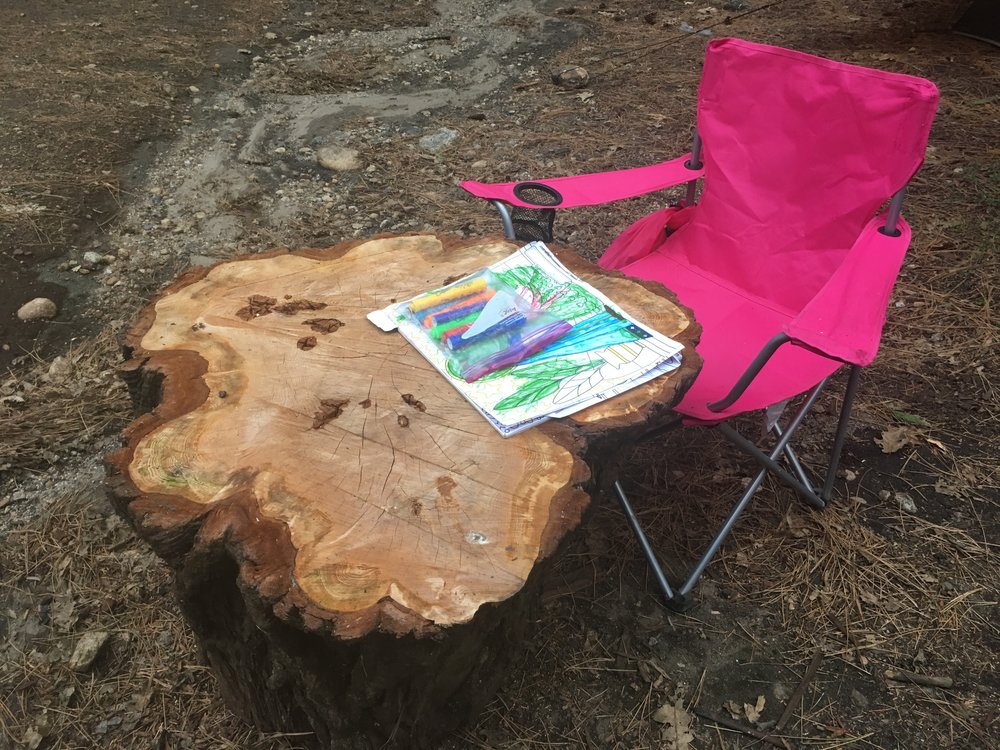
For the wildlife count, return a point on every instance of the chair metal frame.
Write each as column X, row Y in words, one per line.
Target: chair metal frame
column 680, row 598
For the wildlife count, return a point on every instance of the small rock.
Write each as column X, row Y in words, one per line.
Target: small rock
column 40, row 308
column 906, row 502
column 270, row 35
column 92, row 259
column 571, row 77
column 858, row 699
column 106, row 725
column 438, row 141
column 737, row 5
column 338, row 158
column 685, row 28
column 87, row 649
column 32, row 738
column 60, row 369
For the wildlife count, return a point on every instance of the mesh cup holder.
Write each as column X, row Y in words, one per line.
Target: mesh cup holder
column 534, row 224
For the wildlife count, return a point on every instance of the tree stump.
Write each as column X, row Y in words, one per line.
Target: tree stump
column 355, row 547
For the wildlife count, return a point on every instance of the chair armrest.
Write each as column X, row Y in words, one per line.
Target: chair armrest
column 592, row 189
column 752, row 371
column 844, row 320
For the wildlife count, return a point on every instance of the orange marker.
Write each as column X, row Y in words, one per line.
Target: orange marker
column 447, row 295
column 481, row 298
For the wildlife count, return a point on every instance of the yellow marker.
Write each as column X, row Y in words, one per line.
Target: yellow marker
column 446, row 295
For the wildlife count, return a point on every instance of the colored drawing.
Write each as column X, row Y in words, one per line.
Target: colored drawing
column 540, row 380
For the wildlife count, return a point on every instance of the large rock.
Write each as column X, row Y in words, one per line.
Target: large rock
column 571, row 77
column 40, row 308
column 338, row 158
column 439, row 140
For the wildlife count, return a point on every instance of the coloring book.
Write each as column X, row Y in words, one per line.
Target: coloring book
column 603, row 353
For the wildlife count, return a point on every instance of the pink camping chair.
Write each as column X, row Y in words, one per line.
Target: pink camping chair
column 789, row 255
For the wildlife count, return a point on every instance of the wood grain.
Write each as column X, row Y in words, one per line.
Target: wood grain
column 308, row 475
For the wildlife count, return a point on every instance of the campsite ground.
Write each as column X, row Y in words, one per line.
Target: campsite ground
column 157, row 135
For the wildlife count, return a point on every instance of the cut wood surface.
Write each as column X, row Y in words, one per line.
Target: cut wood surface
column 355, row 490
column 397, row 495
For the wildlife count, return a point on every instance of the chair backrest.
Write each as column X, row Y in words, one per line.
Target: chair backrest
column 800, row 152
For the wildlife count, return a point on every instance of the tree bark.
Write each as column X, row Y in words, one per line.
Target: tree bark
column 356, row 548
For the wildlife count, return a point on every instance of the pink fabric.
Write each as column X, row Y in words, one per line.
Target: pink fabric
column 592, row 189
column 845, row 318
column 637, row 239
column 735, row 325
column 799, row 153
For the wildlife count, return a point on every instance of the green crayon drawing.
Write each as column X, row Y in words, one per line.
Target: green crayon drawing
column 541, row 380
column 572, row 302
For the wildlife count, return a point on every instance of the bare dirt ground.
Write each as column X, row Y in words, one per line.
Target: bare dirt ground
column 140, row 138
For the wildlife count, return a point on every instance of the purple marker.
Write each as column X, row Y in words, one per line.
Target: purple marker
column 457, row 312
column 528, row 345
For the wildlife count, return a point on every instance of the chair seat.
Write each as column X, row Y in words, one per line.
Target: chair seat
column 735, row 326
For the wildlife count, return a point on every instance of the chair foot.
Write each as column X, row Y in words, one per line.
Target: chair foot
column 680, row 603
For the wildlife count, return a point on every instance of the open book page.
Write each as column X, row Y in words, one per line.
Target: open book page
column 604, row 353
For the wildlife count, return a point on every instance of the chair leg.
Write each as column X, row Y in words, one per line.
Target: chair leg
column 508, row 225
column 793, row 459
column 681, row 599
column 771, row 465
column 838, row 442
column 800, row 484
column 647, row 549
